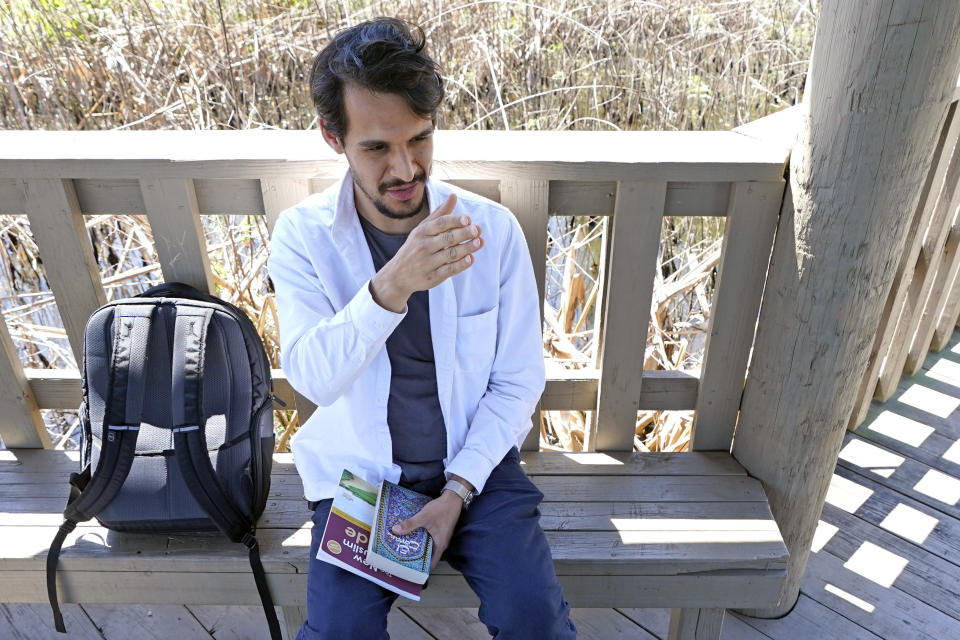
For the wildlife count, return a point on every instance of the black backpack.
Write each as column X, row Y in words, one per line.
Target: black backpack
column 177, row 425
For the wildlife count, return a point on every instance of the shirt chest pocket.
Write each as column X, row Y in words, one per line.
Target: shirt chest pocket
column 477, row 340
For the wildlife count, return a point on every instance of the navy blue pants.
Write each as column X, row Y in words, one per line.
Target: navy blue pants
column 497, row 545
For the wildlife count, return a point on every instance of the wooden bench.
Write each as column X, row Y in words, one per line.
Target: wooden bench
column 691, row 531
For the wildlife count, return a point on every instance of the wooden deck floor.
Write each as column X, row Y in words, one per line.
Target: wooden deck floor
column 885, row 560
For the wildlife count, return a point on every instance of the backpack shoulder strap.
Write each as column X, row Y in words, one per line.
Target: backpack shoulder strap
column 190, row 446
column 89, row 494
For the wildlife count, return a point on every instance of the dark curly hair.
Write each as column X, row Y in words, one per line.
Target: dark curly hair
column 385, row 55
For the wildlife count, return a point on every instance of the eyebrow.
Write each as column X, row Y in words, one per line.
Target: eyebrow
column 372, row 143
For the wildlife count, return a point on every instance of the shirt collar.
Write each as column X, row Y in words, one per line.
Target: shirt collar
column 345, row 214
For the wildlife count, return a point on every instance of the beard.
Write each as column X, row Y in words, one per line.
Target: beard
column 382, row 188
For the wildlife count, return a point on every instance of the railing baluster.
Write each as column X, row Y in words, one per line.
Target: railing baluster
column 22, row 425
column 634, row 238
column 927, row 338
column 951, row 308
column 903, row 291
column 177, row 231
column 941, row 271
column 908, row 290
column 751, row 221
column 61, row 235
column 280, row 194
column 529, row 201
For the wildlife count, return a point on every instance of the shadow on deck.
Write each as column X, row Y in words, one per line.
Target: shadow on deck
column 884, row 562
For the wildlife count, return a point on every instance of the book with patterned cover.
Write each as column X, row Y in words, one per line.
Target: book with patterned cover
column 346, row 535
column 408, row 556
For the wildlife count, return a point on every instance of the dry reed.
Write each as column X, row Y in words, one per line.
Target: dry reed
column 196, row 64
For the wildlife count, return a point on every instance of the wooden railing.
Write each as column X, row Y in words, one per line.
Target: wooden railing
column 923, row 305
column 635, row 178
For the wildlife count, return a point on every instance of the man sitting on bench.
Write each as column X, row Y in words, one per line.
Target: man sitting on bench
column 451, row 295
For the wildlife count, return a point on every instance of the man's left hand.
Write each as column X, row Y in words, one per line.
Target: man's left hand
column 439, row 517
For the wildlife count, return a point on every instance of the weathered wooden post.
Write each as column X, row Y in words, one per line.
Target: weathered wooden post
column 880, row 78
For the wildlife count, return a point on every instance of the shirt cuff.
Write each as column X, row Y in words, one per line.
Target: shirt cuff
column 373, row 321
column 472, row 467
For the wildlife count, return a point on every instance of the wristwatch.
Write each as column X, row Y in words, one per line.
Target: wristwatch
column 458, row 488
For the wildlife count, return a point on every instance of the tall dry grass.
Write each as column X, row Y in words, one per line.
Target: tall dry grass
column 554, row 64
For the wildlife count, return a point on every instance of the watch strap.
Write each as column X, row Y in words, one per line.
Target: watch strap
column 461, row 490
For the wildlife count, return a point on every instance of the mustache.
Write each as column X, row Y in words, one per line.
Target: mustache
column 419, row 177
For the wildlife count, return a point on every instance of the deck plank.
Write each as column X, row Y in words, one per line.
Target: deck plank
column 457, row 622
column 940, row 377
column 911, row 519
column 656, row 623
column 146, row 622
column 903, row 474
column 607, row 624
column 924, row 575
column 909, row 400
column 35, row 621
column 231, row 622
column 925, row 441
column 401, row 626
column 809, row 619
column 887, row 612
column 592, row 624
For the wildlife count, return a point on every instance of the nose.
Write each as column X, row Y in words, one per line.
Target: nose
column 402, row 165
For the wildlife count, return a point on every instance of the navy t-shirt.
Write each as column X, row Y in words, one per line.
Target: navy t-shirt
column 413, row 409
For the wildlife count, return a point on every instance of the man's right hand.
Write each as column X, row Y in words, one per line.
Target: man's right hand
column 441, row 246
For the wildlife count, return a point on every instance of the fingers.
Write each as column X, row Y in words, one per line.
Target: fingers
column 440, row 246
column 404, row 527
column 409, row 526
column 445, row 208
column 451, row 269
column 455, row 236
column 441, row 220
column 457, row 252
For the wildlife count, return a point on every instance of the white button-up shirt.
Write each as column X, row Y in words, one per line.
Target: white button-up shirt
column 485, row 329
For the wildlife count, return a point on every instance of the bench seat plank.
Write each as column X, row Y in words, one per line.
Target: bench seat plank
column 614, row 463
column 445, row 590
column 292, row 513
column 619, row 538
column 284, row 551
column 554, row 488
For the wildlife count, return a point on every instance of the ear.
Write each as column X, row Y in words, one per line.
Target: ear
column 333, row 141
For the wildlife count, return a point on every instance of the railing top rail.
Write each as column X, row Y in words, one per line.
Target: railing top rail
column 564, row 155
